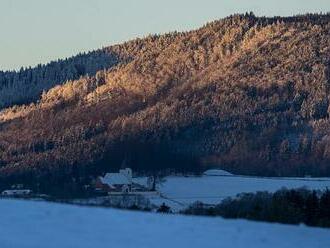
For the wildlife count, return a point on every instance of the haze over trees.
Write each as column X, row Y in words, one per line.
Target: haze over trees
column 247, row 93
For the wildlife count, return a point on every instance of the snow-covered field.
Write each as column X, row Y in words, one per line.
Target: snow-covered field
column 180, row 192
column 28, row 224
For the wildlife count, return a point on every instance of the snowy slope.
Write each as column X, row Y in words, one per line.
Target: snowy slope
column 217, row 172
column 47, row 225
column 213, row 189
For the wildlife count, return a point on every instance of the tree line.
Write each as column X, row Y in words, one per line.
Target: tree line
column 294, row 206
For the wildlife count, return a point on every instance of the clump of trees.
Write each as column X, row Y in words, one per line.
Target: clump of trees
column 164, row 209
column 284, row 206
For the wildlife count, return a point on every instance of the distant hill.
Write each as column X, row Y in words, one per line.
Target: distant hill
column 27, row 84
column 246, row 94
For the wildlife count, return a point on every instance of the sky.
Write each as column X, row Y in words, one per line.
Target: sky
column 38, row 31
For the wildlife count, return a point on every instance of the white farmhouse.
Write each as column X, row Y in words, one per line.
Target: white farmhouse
column 115, row 182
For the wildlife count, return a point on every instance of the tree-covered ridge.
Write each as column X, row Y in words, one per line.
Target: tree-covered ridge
column 26, row 85
column 245, row 93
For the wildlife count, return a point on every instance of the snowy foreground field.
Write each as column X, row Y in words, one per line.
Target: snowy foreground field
column 180, row 192
column 29, row 224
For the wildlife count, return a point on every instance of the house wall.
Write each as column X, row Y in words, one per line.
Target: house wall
column 128, row 173
column 101, row 186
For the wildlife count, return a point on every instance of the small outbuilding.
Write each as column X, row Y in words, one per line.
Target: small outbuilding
column 16, row 192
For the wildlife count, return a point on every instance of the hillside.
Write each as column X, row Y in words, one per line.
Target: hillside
column 40, row 224
column 249, row 94
column 27, row 85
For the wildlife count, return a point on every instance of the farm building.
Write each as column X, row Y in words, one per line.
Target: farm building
column 115, row 182
column 16, row 192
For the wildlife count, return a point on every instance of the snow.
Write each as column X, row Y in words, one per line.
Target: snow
column 183, row 191
column 141, row 181
column 121, row 178
column 28, row 224
column 216, row 172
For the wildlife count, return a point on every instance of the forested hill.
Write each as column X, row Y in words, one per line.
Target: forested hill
column 248, row 94
column 26, row 85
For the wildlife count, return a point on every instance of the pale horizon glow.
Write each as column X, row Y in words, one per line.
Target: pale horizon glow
column 39, row 31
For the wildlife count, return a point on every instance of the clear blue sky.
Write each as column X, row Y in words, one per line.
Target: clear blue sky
column 37, row 31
